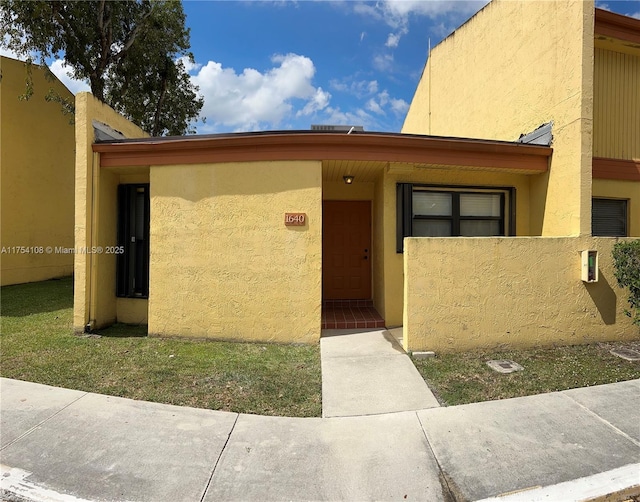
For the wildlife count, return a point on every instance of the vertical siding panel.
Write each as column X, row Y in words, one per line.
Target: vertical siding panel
column 616, row 105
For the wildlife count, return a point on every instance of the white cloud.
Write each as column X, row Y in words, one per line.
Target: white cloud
column 63, row 71
column 318, row 102
column 382, row 102
column 636, row 15
column 8, row 53
column 368, row 10
column 396, row 13
column 358, row 88
column 4, row 51
column 393, row 40
column 253, row 100
column 383, row 62
column 383, row 98
column 356, row 117
column 189, row 65
column 374, row 106
column 399, row 106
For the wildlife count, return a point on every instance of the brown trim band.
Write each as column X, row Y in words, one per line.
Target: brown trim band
column 616, row 169
column 610, row 24
column 318, row 146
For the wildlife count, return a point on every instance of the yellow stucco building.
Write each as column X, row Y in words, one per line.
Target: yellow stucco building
column 511, row 68
column 37, row 173
column 458, row 229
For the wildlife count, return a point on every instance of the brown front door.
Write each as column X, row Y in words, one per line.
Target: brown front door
column 346, row 250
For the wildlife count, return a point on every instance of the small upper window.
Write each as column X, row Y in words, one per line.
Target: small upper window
column 609, row 217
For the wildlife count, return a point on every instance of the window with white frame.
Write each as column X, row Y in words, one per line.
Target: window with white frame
column 433, row 211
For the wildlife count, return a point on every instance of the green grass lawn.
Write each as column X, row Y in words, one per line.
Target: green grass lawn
column 465, row 377
column 37, row 345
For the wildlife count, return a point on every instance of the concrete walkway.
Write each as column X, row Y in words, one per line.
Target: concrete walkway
column 65, row 445
column 368, row 373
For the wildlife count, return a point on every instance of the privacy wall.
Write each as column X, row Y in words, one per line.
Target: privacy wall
column 509, row 292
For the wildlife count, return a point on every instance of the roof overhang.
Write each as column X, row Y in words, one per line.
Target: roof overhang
column 615, row 169
column 618, row 27
column 303, row 145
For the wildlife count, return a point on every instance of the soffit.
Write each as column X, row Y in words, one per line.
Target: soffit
column 616, row 32
column 363, row 172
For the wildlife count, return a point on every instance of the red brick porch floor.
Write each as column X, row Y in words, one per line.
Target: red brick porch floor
column 350, row 314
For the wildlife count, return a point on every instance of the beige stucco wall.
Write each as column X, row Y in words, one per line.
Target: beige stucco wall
column 509, row 292
column 512, row 67
column 618, row 189
column 37, row 178
column 392, row 302
column 95, row 216
column 223, row 264
column 379, row 248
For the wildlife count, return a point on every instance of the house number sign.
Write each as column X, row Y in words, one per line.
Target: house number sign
column 295, row 219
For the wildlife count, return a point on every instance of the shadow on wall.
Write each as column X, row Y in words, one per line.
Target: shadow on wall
column 604, row 298
column 538, row 188
column 198, row 182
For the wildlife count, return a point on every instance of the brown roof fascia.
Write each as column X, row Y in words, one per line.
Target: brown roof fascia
column 616, row 169
column 318, row 146
column 610, row 24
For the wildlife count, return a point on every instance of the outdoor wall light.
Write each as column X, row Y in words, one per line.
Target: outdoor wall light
column 348, row 179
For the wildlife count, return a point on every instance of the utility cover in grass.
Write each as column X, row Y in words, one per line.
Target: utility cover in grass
column 504, row 366
column 628, row 354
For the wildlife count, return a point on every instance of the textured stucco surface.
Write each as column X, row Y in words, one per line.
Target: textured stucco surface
column 37, row 165
column 393, row 261
column 617, row 189
column 132, row 310
column 223, row 264
column 95, row 215
column 520, row 292
column 512, row 67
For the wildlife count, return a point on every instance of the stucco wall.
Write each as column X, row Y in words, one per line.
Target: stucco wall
column 617, row 189
column 223, row 264
column 512, row 67
column 393, row 261
column 511, row 292
column 37, row 177
column 93, row 301
column 379, row 248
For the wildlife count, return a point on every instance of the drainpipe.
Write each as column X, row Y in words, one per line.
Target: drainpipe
column 93, row 238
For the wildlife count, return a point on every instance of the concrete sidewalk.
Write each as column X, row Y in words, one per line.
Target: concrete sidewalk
column 367, row 372
column 64, row 445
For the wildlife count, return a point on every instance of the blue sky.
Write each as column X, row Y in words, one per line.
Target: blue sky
column 288, row 64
